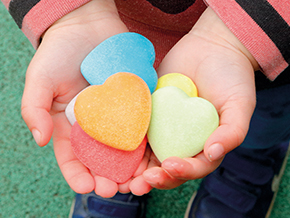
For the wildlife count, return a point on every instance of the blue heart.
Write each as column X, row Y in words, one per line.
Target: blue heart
column 124, row 52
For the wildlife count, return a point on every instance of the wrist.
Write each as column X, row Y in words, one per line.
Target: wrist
column 99, row 19
column 211, row 27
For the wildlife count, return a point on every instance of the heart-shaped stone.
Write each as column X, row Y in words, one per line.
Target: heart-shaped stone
column 114, row 164
column 124, row 52
column 69, row 110
column 179, row 125
column 116, row 113
column 178, row 80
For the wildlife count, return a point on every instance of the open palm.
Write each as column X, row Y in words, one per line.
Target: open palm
column 223, row 72
column 54, row 78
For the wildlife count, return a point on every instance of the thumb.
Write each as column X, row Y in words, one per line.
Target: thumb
column 36, row 103
column 233, row 128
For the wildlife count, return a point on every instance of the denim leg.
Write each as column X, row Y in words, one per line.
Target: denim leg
column 270, row 123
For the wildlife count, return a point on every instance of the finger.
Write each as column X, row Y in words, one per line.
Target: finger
column 234, row 125
column 36, row 103
column 159, row 178
column 153, row 177
column 144, row 163
column 175, row 171
column 124, row 187
column 153, row 161
column 75, row 173
column 190, row 168
column 138, row 186
column 105, row 188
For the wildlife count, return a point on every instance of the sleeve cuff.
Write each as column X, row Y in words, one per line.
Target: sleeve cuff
column 44, row 14
column 257, row 37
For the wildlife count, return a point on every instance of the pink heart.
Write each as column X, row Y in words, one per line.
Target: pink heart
column 114, row 164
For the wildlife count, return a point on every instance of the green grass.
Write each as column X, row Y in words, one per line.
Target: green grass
column 31, row 184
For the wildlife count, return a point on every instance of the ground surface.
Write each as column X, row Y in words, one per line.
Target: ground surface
column 31, row 184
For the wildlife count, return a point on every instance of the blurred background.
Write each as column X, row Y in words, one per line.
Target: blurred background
column 31, row 184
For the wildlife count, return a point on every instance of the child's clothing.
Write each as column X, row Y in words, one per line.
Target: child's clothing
column 262, row 26
column 270, row 123
column 244, row 185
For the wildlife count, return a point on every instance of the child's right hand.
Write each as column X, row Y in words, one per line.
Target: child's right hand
column 53, row 78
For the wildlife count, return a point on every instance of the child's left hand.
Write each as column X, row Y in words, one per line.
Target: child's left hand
column 223, row 71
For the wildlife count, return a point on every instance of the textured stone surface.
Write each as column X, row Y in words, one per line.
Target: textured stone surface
column 114, row 164
column 124, row 52
column 116, row 113
column 69, row 110
column 180, row 125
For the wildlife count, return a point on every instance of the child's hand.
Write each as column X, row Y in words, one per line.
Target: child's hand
column 223, row 71
column 54, row 78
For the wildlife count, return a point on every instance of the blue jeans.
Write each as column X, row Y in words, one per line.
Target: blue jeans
column 270, row 123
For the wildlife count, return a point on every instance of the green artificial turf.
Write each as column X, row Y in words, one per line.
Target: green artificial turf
column 31, row 184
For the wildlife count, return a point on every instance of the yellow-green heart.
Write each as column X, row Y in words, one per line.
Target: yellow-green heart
column 116, row 113
column 180, row 125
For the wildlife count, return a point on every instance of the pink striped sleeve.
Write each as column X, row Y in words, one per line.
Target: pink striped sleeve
column 270, row 50
column 6, row 3
column 43, row 14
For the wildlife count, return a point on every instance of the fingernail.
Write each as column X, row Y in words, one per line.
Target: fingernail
column 215, row 152
column 36, row 135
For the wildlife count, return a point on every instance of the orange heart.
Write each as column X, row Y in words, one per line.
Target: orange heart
column 116, row 113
